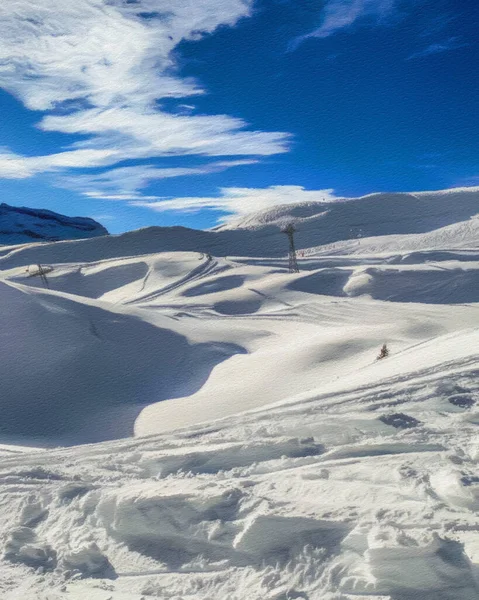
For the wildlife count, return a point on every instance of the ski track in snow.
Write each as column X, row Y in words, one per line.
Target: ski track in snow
column 275, row 458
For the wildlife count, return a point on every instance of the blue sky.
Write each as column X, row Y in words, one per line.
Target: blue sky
column 192, row 112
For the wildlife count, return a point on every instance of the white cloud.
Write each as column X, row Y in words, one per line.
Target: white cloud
column 100, row 68
column 126, row 183
column 14, row 166
column 342, row 14
column 101, row 50
column 143, row 133
column 239, row 202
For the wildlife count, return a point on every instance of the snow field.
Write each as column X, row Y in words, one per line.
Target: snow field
column 323, row 500
column 274, row 457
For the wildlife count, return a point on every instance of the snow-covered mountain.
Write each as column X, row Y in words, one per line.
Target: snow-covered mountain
column 19, row 225
column 318, row 224
column 247, row 443
column 374, row 214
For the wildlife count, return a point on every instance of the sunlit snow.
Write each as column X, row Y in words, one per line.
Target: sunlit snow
column 182, row 418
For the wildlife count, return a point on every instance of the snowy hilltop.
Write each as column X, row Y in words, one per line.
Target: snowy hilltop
column 19, row 225
column 446, row 216
column 185, row 419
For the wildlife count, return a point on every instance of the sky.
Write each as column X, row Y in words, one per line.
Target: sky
column 197, row 112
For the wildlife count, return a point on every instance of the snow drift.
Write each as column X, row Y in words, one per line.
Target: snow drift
column 75, row 372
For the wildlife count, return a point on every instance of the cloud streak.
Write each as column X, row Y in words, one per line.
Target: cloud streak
column 337, row 15
column 14, row 166
column 127, row 183
column 99, row 69
column 238, row 202
column 453, row 43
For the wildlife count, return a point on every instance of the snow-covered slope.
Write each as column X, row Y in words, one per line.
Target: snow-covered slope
column 19, row 225
column 79, row 371
column 363, row 488
column 266, row 453
column 374, row 214
column 318, row 224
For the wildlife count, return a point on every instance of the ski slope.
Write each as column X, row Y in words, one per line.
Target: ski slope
column 318, row 224
column 189, row 425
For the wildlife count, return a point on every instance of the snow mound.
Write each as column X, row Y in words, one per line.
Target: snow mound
column 398, row 565
column 22, row 546
column 77, row 372
column 87, row 561
column 435, row 282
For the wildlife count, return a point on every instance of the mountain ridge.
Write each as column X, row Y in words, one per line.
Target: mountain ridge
column 20, row 224
column 353, row 221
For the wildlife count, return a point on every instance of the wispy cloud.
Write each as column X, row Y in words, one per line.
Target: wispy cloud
column 100, row 69
column 127, row 183
column 337, row 15
column 242, row 201
column 143, row 132
column 14, row 166
column 451, row 43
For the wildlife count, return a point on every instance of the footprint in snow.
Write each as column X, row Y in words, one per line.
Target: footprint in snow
column 399, row 421
column 462, row 400
column 468, row 480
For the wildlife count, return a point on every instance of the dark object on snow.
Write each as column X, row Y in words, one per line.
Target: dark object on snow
column 468, row 480
column 462, row 400
column 400, row 421
column 293, row 263
column 383, row 353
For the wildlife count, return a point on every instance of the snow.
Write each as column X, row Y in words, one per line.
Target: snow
column 19, row 225
column 419, row 214
column 184, row 424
